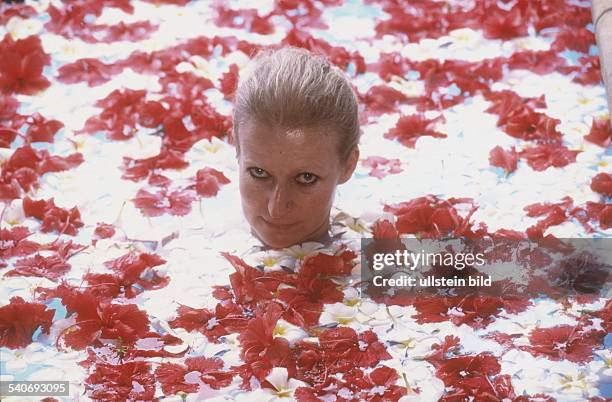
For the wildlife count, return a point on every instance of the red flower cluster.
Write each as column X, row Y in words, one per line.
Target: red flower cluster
column 121, row 110
column 506, row 160
column 73, row 21
column 431, row 19
column 92, row 71
column 53, row 218
column 177, row 202
column 565, row 342
column 133, row 273
column 21, row 65
column 209, row 181
column 430, row 216
column 129, row 381
column 558, row 213
column 172, row 375
column 336, row 54
column 19, row 320
column 252, row 308
column 408, row 129
column 602, row 183
column 601, row 133
column 14, row 243
column 52, row 267
column 469, row 376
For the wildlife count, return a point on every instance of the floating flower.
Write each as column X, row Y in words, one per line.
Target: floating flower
column 21, row 65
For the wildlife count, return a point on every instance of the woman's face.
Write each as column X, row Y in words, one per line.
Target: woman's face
column 287, row 181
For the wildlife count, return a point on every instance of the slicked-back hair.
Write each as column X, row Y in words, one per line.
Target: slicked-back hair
column 293, row 88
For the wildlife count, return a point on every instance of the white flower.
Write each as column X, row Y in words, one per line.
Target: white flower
column 338, row 313
column 288, row 331
column 13, row 213
column 284, row 387
column 20, row 28
column 578, row 382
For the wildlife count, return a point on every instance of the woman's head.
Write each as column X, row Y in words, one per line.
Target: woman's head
column 296, row 131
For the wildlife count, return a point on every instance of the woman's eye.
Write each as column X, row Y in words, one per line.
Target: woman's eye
column 307, row 178
column 258, row 173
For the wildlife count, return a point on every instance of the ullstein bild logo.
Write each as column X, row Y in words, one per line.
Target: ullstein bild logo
column 486, row 267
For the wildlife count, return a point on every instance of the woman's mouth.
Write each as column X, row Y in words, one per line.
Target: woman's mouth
column 278, row 225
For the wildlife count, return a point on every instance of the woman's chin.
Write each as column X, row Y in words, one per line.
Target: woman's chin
column 274, row 239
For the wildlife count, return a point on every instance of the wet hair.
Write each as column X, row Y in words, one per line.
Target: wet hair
column 293, row 88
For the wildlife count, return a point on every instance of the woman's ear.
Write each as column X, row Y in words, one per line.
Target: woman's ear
column 349, row 166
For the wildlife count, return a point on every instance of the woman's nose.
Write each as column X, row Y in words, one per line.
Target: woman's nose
column 280, row 202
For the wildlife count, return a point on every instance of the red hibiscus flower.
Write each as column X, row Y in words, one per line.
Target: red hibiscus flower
column 176, row 203
column 25, row 166
column 140, row 169
column 506, row 160
column 227, row 318
column 53, row 217
column 41, row 129
column 129, row 381
column 564, row 342
column 328, row 265
column 151, row 114
column 21, row 168
column 539, row 61
column 135, row 31
column 499, row 24
column 409, row 129
column 172, row 375
column 191, row 318
column 600, row 212
column 96, row 320
column 21, row 65
column 476, row 311
column 119, row 114
column 249, row 284
column 14, row 243
column 52, row 267
column 260, row 349
column 208, row 182
column 104, row 230
column 248, row 19
column 20, row 319
column 526, row 124
column 89, row 70
column 601, row 133
column 382, row 99
column 431, row 217
column 304, row 302
column 543, row 156
column 383, row 229
column 554, row 213
column 229, row 82
column 469, row 375
column 16, row 10
column 602, row 183
column 134, row 274
column 508, row 103
column 390, row 64
column 579, row 40
column 344, row 348
column 589, row 72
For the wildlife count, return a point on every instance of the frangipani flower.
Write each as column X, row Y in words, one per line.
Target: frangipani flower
column 284, row 387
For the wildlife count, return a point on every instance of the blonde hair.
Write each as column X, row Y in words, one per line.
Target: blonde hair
column 293, row 88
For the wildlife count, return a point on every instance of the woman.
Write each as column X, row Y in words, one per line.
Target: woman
column 296, row 131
